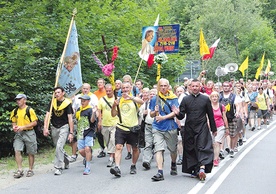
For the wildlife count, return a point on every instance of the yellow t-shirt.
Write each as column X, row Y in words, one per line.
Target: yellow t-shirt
column 262, row 101
column 107, row 119
column 21, row 119
column 128, row 114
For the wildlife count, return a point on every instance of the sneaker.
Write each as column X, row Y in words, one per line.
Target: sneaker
column 58, row 171
column 216, row 162
column 129, row 156
column 101, row 154
column 231, row 153
column 221, row 155
column 194, row 174
column 259, row 128
column 146, row 165
column 116, row 171
column 73, row 158
column 240, row 142
column 173, row 170
column 227, row 150
column 18, row 174
column 86, row 171
column 110, row 163
column 253, row 128
column 201, row 174
column 244, row 139
column 236, row 149
column 132, row 169
column 158, row 177
column 179, row 162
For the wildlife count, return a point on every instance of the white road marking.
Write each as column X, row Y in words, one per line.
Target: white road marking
column 227, row 171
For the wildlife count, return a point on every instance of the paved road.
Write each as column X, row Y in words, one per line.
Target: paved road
column 251, row 171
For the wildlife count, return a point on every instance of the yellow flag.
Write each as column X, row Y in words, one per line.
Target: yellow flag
column 244, row 66
column 260, row 68
column 203, row 47
column 268, row 67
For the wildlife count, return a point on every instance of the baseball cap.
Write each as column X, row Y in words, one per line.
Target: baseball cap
column 85, row 97
column 19, row 96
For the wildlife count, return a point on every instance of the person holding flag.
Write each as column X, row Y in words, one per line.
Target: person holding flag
column 62, row 126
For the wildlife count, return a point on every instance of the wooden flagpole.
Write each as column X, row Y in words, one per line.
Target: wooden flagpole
column 138, row 71
column 61, row 62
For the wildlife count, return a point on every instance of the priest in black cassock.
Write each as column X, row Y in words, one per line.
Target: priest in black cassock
column 198, row 151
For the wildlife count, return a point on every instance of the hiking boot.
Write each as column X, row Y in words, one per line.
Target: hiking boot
column 158, row 177
column 101, row 154
column 116, row 171
column 129, row 156
column 146, row 165
column 173, row 170
column 132, row 169
column 58, row 171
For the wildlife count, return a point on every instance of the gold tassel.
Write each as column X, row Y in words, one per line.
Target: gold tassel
column 158, row 74
column 111, row 79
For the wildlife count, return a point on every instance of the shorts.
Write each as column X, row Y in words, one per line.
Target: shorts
column 252, row 114
column 122, row 137
column 161, row 139
column 220, row 134
column 27, row 138
column 233, row 129
column 88, row 141
column 262, row 114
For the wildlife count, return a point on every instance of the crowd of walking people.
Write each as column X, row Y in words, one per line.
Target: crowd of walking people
column 198, row 122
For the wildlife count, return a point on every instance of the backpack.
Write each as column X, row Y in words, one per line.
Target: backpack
column 230, row 100
column 39, row 125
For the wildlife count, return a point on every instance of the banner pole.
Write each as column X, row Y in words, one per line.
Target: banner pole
column 60, row 64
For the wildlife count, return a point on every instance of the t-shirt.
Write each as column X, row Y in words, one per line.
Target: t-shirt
column 107, row 119
column 128, row 113
column 85, row 126
column 261, row 98
column 21, row 118
column 59, row 116
column 167, row 124
column 100, row 93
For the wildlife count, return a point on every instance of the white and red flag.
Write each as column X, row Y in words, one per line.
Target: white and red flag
column 212, row 51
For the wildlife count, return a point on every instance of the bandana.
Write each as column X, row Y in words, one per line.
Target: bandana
column 80, row 110
column 63, row 105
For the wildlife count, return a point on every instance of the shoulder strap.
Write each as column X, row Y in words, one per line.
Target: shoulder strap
column 107, row 102
column 166, row 103
column 134, row 91
column 15, row 112
column 28, row 113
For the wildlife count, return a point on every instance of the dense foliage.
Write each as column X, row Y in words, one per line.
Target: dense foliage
column 33, row 33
